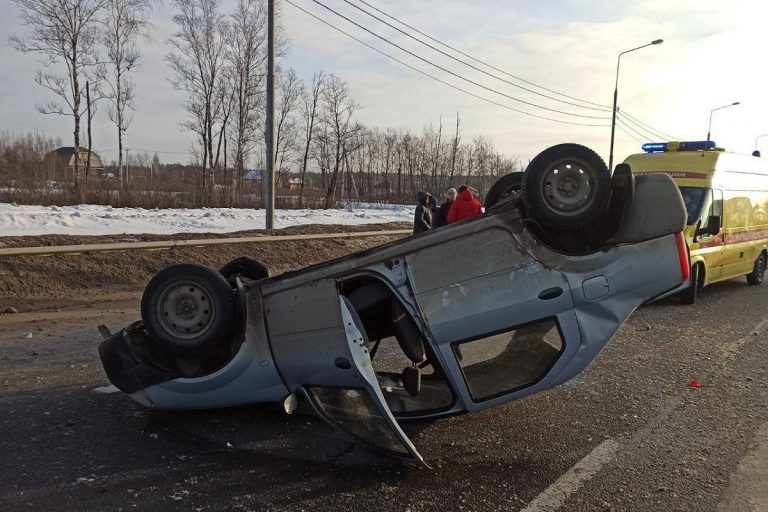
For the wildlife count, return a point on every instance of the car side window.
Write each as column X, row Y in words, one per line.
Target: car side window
column 504, row 362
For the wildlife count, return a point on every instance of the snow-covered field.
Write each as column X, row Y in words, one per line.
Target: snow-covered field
column 88, row 219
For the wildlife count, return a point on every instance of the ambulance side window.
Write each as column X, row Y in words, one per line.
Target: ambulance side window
column 717, row 204
column 712, row 206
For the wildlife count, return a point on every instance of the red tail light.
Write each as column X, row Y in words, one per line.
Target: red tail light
column 682, row 253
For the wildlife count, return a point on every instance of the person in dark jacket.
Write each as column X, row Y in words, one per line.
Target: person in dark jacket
column 441, row 216
column 465, row 206
column 422, row 218
column 432, row 202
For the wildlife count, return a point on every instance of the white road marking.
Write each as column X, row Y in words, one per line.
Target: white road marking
column 556, row 494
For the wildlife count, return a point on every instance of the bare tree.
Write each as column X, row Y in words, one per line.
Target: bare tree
column 290, row 90
column 455, row 150
column 338, row 109
column 124, row 24
column 64, row 31
column 197, row 61
column 246, row 57
column 310, row 100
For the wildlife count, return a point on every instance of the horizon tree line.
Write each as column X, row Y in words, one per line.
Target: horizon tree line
column 218, row 60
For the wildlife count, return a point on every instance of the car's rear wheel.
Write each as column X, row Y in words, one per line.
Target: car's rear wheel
column 503, row 187
column 189, row 310
column 567, row 186
column 689, row 295
column 755, row 277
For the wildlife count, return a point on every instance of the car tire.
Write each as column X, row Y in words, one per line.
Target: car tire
column 755, row 277
column 244, row 267
column 189, row 310
column 502, row 188
column 689, row 295
column 567, row 186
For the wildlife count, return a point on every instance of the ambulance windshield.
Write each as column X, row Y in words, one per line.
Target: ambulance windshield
column 694, row 199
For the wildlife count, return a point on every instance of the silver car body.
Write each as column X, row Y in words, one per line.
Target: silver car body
column 501, row 315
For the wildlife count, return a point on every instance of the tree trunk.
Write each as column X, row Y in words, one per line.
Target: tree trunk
column 76, row 115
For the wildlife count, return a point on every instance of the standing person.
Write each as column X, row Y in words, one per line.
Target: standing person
column 432, row 202
column 465, row 206
column 422, row 218
column 441, row 216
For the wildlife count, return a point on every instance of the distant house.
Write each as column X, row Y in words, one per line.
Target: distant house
column 66, row 155
column 294, row 184
column 254, row 175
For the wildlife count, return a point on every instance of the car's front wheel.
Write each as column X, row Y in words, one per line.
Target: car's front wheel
column 189, row 310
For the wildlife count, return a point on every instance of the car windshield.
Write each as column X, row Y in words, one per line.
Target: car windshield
column 694, row 199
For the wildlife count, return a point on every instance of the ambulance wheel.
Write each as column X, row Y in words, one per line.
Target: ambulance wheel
column 503, row 187
column 688, row 296
column 567, row 186
column 755, row 277
column 189, row 310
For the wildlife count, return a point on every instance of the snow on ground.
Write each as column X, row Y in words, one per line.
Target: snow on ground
column 86, row 219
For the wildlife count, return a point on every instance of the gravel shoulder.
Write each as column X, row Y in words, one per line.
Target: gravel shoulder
column 34, row 282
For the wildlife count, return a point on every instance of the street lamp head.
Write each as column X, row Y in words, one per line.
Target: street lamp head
column 736, row 103
column 657, row 41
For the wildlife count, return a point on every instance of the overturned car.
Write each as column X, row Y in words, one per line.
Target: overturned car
column 460, row 319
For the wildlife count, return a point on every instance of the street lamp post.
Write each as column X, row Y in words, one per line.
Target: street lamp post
column 269, row 178
column 709, row 128
column 756, row 152
column 616, row 96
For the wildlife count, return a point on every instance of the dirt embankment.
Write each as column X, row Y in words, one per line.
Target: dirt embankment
column 34, row 282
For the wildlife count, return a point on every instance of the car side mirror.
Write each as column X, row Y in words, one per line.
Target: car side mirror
column 713, row 226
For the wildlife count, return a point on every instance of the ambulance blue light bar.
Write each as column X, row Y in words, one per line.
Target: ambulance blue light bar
column 696, row 145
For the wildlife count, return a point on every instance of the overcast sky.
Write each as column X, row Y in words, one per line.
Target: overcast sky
column 714, row 53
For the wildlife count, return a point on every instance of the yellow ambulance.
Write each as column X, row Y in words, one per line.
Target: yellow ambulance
column 726, row 196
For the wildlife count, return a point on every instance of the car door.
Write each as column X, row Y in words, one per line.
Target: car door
column 321, row 351
column 502, row 321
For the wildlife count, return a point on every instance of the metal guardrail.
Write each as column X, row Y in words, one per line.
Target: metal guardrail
column 173, row 244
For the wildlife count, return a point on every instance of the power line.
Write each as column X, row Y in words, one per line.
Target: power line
column 437, row 79
column 469, row 65
column 647, row 134
column 637, row 121
column 620, row 122
column 451, row 72
column 648, row 127
column 608, row 107
column 630, row 134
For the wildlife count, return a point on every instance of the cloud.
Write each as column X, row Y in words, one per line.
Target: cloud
column 712, row 55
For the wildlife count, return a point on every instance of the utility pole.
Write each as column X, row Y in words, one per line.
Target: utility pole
column 269, row 179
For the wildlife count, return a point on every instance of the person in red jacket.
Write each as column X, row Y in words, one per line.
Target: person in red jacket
column 465, row 206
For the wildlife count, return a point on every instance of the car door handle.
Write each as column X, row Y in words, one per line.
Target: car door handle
column 551, row 293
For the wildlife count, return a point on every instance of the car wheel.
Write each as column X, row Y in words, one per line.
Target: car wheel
column 244, row 267
column 189, row 310
column 688, row 296
column 755, row 277
column 503, row 187
column 567, row 186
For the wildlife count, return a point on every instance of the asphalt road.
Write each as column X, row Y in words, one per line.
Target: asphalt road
column 628, row 434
